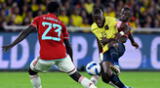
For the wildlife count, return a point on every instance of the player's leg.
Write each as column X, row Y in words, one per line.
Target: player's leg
column 35, row 79
column 121, row 50
column 95, row 78
column 66, row 65
column 36, row 66
column 114, row 54
column 107, row 74
column 106, row 79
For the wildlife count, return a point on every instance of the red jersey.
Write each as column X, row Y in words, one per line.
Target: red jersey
column 120, row 25
column 51, row 35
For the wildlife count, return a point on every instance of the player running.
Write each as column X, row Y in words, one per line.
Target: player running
column 124, row 33
column 53, row 38
column 110, row 43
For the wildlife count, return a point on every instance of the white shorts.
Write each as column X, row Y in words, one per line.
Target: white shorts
column 65, row 65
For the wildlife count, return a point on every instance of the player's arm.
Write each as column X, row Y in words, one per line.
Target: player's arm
column 123, row 31
column 68, row 48
column 99, row 46
column 133, row 41
column 66, row 41
column 110, row 41
column 21, row 36
column 128, row 34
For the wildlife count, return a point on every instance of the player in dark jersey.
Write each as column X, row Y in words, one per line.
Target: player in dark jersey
column 124, row 32
column 54, row 47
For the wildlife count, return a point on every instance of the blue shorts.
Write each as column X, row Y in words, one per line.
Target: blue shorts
column 114, row 53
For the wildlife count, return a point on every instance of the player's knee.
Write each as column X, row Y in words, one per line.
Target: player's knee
column 31, row 72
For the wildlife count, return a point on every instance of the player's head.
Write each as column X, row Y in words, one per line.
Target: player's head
column 98, row 17
column 125, row 14
column 52, row 7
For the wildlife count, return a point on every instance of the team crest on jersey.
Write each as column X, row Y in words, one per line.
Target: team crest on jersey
column 106, row 27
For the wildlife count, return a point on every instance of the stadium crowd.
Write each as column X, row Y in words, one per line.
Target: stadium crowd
column 146, row 13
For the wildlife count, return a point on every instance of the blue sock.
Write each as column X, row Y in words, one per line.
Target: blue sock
column 115, row 80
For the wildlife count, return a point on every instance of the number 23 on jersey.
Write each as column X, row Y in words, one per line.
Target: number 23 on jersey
column 50, row 26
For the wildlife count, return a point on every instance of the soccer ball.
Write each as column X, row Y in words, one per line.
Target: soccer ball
column 93, row 68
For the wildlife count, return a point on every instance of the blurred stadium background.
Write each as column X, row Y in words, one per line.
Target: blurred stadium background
column 140, row 66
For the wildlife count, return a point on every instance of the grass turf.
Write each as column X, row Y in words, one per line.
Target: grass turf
column 61, row 80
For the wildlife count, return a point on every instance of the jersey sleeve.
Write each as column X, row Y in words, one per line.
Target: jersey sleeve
column 93, row 27
column 65, row 32
column 35, row 22
column 118, row 25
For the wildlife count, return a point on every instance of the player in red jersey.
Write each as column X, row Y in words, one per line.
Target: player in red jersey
column 54, row 47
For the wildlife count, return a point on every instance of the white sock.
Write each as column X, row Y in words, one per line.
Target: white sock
column 94, row 79
column 110, row 83
column 36, row 81
column 86, row 83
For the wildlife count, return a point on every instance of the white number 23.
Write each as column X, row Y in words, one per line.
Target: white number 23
column 50, row 25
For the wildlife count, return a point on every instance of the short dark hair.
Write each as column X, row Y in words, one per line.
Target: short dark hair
column 52, row 7
column 126, row 9
column 97, row 11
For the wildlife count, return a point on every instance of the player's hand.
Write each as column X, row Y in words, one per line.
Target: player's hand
column 135, row 45
column 104, row 40
column 122, row 39
column 6, row 48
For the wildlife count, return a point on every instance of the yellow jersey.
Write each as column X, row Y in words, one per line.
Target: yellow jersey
column 108, row 30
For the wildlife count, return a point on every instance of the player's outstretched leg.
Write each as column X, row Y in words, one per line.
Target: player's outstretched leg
column 85, row 82
column 114, row 54
column 94, row 79
column 108, row 76
column 35, row 79
column 66, row 65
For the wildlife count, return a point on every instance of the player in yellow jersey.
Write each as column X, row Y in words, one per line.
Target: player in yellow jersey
column 110, row 44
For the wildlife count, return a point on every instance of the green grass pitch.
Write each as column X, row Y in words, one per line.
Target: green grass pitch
column 61, row 80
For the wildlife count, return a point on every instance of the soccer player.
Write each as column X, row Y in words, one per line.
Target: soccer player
column 124, row 33
column 53, row 39
column 106, row 29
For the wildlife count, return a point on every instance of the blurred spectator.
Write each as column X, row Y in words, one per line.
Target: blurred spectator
column 88, row 5
column 18, row 19
column 63, row 16
column 85, row 22
column 68, row 7
column 133, row 22
column 42, row 7
column 80, row 4
column 76, row 19
column 34, row 6
column 2, row 18
column 98, row 4
column 109, row 11
column 146, row 13
column 28, row 18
